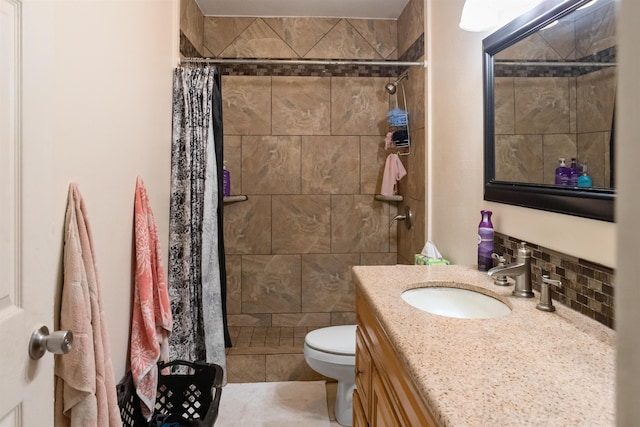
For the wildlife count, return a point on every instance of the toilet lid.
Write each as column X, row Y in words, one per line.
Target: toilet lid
column 334, row 339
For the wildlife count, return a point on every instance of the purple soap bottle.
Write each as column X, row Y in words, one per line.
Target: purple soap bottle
column 485, row 241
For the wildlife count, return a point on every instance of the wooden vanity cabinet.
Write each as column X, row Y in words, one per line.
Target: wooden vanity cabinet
column 385, row 394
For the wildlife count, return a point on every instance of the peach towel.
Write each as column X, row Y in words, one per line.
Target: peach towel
column 152, row 320
column 85, row 392
column 394, row 171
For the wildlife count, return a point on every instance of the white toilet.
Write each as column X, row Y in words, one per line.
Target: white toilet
column 332, row 352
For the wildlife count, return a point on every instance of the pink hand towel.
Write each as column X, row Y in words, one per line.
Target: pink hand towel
column 394, row 171
column 85, row 389
column 152, row 321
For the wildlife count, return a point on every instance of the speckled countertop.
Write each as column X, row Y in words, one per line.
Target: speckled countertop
column 529, row 368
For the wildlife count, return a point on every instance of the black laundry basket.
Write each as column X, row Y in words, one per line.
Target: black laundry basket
column 189, row 395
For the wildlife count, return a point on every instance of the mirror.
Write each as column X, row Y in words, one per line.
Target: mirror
column 549, row 94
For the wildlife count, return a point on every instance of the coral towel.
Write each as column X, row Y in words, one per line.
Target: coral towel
column 152, row 320
column 394, row 171
column 85, row 392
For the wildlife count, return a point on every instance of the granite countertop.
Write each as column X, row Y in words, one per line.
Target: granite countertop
column 529, row 368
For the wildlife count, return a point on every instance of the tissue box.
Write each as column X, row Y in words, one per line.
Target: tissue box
column 424, row 260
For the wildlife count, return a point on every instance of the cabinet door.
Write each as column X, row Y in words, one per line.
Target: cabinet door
column 363, row 370
column 359, row 417
column 382, row 411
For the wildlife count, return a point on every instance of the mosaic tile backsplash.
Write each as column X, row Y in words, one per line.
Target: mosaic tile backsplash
column 587, row 287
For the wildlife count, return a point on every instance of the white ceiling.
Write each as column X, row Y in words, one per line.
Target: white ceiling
column 370, row 9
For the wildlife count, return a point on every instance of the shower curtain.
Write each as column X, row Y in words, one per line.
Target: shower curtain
column 197, row 274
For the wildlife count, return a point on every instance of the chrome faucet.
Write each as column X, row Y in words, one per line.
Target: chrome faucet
column 519, row 270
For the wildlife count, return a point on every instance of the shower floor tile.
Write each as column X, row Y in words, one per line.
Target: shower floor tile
column 248, row 340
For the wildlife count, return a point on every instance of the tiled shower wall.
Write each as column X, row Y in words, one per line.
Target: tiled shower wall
column 307, row 148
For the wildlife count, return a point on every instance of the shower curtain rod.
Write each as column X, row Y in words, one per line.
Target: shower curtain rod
column 303, row 62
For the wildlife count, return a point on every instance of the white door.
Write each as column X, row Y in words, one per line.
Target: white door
column 26, row 288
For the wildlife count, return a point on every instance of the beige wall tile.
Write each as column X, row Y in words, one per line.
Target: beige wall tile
column 271, row 165
column 410, row 25
column 382, row 34
column 413, row 185
column 301, row 106
column 246, row 369
column 219, row 31
column 414, row 86
column 343, row 42
column 192, row 22
column 301, row 34
column 533, row 47
column 596, row 94
column 379, row 259
column 330, row 165
column 289, row 367
column 246, row 105
column 359, row 224
column 411, row 242
column 302, row 224
column 596, row 31
column 343, row 318
column 271, row 283
column 372, row 160
column 233, row 159
column 234, row 284
column 247, row 320
column 504, row 106
column 247, row 226
column 302, row 319
column 561, row 38
column 359, row 106
column 542, row 105
column 258, row 41
column 591, row 149
column 327, row 285
column 519, row 158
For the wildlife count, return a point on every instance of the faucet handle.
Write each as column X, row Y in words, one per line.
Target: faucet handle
column 499, row 258
column 546, row 303
column 500, row 280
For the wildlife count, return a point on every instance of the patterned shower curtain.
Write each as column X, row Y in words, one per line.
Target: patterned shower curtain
column 197, row 275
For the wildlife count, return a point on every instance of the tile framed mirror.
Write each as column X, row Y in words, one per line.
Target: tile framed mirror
column 549, row 94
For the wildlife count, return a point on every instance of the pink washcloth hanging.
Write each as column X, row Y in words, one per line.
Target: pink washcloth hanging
column 152, row 320
column 394, row 171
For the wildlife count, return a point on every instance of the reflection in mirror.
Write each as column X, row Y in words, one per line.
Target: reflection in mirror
column 550, row 84
column 554, row 95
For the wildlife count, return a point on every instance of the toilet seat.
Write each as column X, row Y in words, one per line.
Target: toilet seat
column 338, row 340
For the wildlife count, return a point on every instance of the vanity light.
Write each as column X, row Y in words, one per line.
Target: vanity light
column 485, row 15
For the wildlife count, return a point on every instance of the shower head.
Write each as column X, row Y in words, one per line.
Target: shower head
column 392, row 87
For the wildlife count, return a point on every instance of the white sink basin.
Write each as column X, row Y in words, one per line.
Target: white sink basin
column 455, row 302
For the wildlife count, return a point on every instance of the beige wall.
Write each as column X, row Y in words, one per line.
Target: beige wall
column 628, row 291
column 97, row 111
column 456, row 158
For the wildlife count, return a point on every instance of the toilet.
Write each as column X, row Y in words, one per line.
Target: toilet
column 331, row 352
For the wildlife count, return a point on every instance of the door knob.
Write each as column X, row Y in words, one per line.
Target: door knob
column 58, row 342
